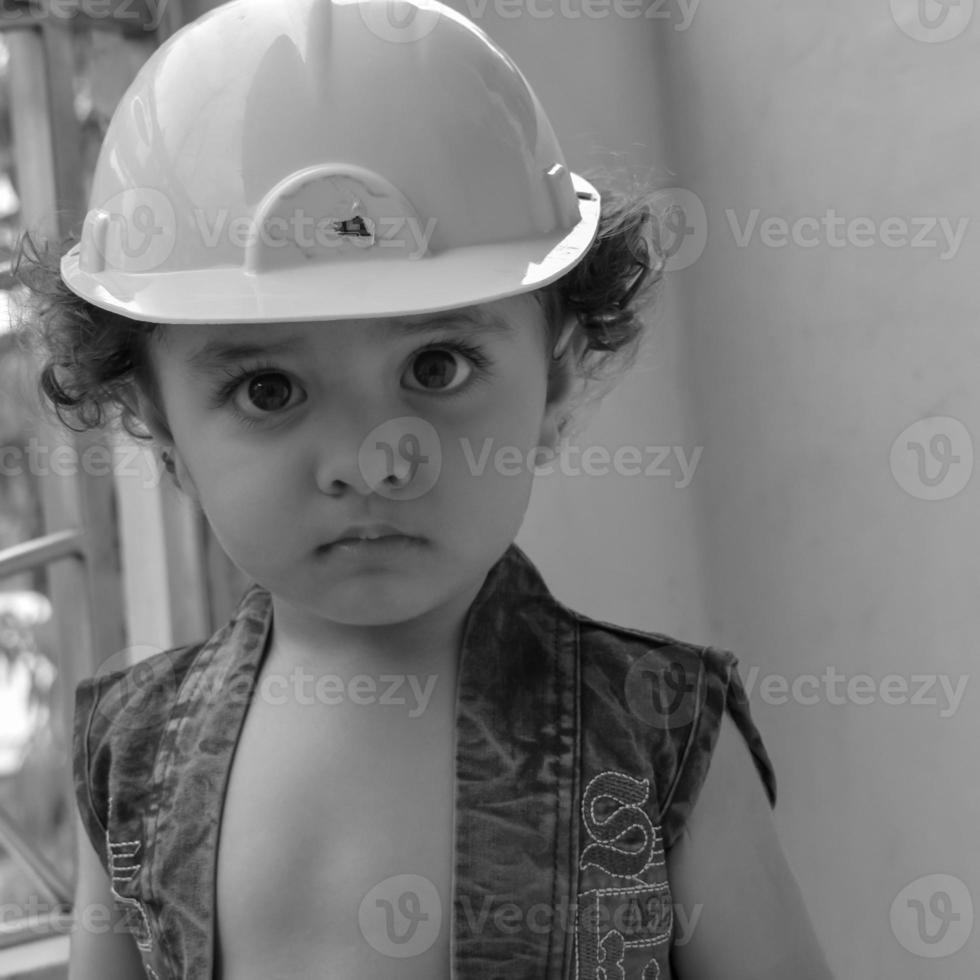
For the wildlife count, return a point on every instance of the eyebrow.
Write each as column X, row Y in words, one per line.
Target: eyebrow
column 217, row 352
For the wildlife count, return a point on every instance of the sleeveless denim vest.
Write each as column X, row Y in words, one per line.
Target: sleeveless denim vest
column 581, row 749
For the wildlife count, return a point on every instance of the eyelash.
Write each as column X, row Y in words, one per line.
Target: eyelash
column 238, row 376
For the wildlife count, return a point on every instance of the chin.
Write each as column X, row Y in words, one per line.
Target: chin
column 370, row 604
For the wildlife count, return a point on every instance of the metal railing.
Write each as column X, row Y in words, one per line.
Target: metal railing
column 54, row 916
column 81, row 546
column 40, row 551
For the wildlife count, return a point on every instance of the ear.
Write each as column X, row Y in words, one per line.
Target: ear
column 561, row 377
column 152, row 417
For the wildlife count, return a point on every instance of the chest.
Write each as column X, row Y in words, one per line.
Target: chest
column 336, row 843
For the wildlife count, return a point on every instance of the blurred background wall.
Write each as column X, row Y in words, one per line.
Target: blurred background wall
column 818, row 344
column 832, row 368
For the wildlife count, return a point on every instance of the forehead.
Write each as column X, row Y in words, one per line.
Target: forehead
column 200, row 347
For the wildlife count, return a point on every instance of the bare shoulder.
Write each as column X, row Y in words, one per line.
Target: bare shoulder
column 729, row 874
column 100, row 950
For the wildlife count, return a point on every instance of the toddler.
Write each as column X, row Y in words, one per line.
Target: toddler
column 402, row 757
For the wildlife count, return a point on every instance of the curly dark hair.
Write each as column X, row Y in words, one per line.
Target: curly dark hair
column 93, row 361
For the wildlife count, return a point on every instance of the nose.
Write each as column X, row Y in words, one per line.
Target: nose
column 360, row 455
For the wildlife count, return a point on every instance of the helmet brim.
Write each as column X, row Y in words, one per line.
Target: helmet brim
column 458, row 277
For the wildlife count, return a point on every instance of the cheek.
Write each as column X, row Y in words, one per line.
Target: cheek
column 239, row 514
column 238, row 489
column 516, row 420
column 490, row 458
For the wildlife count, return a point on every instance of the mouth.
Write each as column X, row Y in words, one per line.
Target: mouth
column 386, row 546
column 376, row 538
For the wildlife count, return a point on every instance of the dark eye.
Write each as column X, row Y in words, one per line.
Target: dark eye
column 269, row 392
column 437, row 368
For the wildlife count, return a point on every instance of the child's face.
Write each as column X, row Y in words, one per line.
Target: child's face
column 286, row 475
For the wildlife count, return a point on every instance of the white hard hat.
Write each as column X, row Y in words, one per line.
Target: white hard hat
column 321, row 159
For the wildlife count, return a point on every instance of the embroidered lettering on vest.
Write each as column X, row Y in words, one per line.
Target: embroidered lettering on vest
column 124, row 871
column 620, row 923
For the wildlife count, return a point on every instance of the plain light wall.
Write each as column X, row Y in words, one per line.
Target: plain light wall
column 807, row 364
column 617, row 546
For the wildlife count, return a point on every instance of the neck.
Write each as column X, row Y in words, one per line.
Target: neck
column 430, row 642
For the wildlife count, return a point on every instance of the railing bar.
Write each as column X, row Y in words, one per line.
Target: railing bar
column 32, row 861
column 41, row 551
column 8, row 22
column 56, row 923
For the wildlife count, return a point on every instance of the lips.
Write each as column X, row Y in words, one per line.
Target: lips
column 368, row 532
